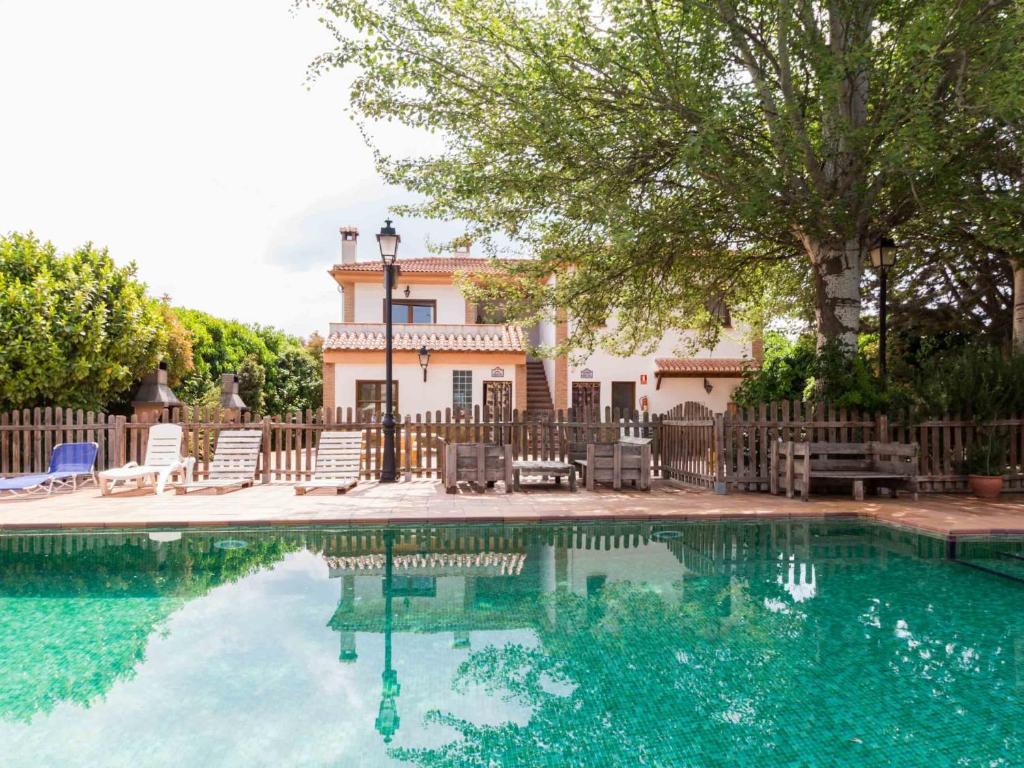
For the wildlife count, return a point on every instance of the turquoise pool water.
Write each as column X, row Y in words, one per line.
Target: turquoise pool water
column 789, row 644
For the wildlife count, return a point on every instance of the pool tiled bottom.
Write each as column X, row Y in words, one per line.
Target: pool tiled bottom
column 795, row 643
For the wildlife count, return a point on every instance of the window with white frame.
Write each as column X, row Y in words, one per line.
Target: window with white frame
column 462, row 390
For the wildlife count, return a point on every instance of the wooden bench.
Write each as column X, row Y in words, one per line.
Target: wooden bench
column 482, row 464
column 628, row 460
column 795, row 466
column 556, row 469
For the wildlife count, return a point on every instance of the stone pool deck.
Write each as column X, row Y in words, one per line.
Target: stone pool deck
column 426, row 501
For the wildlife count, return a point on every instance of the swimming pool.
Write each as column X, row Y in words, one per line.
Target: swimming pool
column 697, row 644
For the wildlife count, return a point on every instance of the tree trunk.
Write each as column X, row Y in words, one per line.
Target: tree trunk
column 1018, row 305
column 836, row 271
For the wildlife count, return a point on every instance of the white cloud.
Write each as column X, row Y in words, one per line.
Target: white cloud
column 184, row 138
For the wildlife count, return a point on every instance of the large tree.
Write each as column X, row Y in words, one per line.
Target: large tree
column 982, row 224
column 658, row 154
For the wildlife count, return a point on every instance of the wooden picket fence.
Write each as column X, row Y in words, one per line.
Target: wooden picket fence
column 690, row 436
column 731, row 450
column 28, row 436
column 290, row 440
column 690, row 444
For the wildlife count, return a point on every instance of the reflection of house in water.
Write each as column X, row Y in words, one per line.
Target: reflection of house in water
column 425, row 585
column 460, row 580
column 441, row 581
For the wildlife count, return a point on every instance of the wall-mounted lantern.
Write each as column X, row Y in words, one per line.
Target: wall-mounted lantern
column 424, row 354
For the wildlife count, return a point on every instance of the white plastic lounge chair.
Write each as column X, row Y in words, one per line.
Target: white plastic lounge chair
column 337, row 463
column 163, row 461
column 68, row 462
column 234, row 462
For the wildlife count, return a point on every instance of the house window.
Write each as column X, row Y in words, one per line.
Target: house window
column 492, row 314
column 462, row 390
column 719, row 310
column 370, row 399
column 412, row 311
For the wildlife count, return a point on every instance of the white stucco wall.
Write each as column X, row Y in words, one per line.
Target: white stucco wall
column 657, row 567
column 415, row 395
column 608, row 368
column 369, row 302
column 546, row 334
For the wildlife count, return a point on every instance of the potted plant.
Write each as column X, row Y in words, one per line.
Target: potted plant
column 982, row 385
column 986, row 462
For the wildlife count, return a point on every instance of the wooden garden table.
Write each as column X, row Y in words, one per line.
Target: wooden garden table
column 556, row 469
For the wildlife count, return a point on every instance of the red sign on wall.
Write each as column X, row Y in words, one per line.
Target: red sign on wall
column 643, row 378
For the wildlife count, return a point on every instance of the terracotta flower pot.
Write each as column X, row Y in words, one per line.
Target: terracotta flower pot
column 985, row 486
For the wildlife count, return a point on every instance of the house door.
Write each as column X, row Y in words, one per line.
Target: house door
column 586, row 397
column 497, row 400
column 624, row 396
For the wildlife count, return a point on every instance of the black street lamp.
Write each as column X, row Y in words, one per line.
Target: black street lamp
column 883, row 257
column 388, row 241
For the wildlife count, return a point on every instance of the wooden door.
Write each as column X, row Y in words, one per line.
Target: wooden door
column 586, row 399
column 624, row 396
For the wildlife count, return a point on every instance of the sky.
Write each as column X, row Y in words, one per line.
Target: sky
column 186, row 138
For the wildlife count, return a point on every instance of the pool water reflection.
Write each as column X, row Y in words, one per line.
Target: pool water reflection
column 791, row 643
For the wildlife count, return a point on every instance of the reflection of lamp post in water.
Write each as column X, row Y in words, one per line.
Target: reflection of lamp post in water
column 387, row 718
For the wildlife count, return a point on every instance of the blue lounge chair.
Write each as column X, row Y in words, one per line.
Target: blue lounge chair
column 68, row 462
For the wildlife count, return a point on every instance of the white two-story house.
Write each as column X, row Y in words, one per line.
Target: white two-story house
column 476, row 364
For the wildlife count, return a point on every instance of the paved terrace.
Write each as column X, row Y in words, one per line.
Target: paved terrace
column 426, row 501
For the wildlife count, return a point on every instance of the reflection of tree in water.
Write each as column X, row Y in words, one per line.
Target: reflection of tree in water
column 73, row 621
column 736, row 674
column 612, row 678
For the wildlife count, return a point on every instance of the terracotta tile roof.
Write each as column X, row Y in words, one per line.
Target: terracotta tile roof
column 436, row 338
column 435, row 563
column 702, row 366
column 444, row 265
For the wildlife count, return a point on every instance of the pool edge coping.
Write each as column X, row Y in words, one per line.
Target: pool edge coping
column 381, row 521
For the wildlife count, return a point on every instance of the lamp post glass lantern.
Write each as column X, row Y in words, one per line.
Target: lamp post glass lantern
column 388, row 241
column 883, row 258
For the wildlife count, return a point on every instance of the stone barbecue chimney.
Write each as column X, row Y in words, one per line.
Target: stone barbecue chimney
column 230, row 402
column 153, row 395
column 349, row 238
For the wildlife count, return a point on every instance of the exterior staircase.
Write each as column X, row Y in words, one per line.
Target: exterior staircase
column 538, row 393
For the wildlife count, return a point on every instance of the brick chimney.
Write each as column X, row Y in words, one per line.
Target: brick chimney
column 153, row 395
column 230, row 402
column 349, row 238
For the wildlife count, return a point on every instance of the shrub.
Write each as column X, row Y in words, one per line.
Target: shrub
column 795, row 370
column 77, row 330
